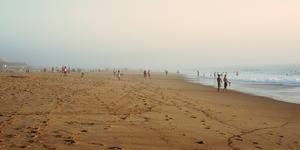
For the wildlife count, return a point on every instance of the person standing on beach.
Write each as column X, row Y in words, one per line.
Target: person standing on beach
column 219, row 81
column 149, row 74
column 115, row 72
column 64, row 70
column 145, row 74
column 226, row 82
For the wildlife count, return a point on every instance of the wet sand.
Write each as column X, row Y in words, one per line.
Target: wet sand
column 98, row 111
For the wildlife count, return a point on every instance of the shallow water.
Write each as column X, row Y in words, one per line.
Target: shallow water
column 278, row 82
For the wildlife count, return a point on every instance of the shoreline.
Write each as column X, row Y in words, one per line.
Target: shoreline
column 98, row 111
column 287, row 93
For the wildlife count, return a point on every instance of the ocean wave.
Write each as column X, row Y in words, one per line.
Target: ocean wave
column 289, row 82
column 260, row 76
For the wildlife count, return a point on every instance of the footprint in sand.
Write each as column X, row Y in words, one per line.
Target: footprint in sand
column 99, row 144
column 114, row 147
column 11, row 136
column 108, row 127
column 222, row 133
column 168, row 118
column 239, row 139
column 258, row 147
column 124, row 118
column 58, row 136
column 87, row 123
column 146, row 119
column 23, row 146
column 84, row 130
column 255, row 143
column 201, row 142
column 70, row 140
column 194, row 117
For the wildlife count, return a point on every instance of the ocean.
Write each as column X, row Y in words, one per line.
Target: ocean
column 280, row 82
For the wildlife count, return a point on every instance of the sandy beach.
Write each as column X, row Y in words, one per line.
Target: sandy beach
column 53, row 112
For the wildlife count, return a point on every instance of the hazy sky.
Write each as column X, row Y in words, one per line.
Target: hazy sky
column 150, row 33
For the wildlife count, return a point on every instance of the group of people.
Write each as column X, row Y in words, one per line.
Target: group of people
column 147, row 74
column 117, row 73
column 225, row 80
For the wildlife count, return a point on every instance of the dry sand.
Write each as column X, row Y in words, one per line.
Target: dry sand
column 49, row 111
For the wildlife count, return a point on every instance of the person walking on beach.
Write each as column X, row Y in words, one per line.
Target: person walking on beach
column 119, row 74
column 219, row 81
column 226, row 82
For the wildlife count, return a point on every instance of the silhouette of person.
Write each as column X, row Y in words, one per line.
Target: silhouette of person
column 226, row 82
column 219, row 81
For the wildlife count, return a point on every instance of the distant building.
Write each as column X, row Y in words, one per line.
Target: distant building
column 12, row 66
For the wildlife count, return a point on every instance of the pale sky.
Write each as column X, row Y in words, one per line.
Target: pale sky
column 154, row 34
